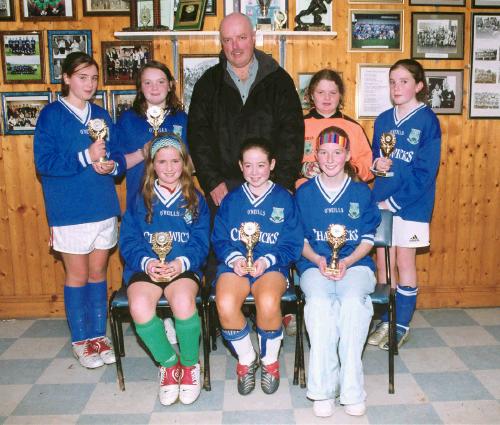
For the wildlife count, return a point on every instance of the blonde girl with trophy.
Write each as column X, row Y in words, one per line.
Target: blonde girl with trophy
column 256, row 238
column 169, row 208
column 81, row 202
column 410, row 190
column 338, row 307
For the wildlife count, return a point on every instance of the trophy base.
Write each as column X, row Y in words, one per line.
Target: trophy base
column 319, row 27
column 249, row 269
column 332, row 271
column 382, row 173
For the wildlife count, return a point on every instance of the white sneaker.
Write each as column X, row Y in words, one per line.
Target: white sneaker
column 190, row 383
column 170, row 330
column 358, row 409
column 87, row 354
column 324, row 408
column 103, row 346
column 379, row 334
column 169, row 384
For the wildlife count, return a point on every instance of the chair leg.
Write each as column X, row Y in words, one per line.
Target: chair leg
column 116, row 343
column 300, row 327
column 213, row 325
column 393, row 346
column 206, row 346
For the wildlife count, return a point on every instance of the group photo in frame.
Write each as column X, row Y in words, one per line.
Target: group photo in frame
column 121, row 100
column 375, row 30
column 121, row 60
column 445, row 90
column 372, row 90
column 22, row 57
column 21, row 110
column 7, row 10
column 437, row 35
column 61, row 44
column 106, row 7
column 486, row 4
column 189, row 15
column 437, row 3
column 192, row 68
column 484, row 93
column 51, row 10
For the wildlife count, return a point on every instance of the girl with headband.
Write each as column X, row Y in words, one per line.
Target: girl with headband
column 169, row 203
column 338, row 307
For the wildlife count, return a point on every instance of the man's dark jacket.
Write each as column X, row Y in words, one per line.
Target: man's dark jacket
column 219, row 123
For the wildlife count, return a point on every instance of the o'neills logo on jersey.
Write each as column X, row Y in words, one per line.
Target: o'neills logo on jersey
column 265, row 237
column 170, row 213
column 160, row 130
column 352, row 235
column 181, row 237
column 84, row 131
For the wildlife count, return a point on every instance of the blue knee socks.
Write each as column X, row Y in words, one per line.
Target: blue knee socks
column 406, row 301
column 76, row 314
column 97, row 308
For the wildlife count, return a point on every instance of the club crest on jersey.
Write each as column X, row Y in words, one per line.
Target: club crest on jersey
column 307, row 147
column 278, row 215
column 188, row 217
column 414, row 136
column 353, row 210
column 177, row 130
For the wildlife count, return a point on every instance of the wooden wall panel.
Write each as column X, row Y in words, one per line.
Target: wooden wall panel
column 461, row 267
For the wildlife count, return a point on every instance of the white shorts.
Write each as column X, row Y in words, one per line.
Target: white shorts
column 84, row 238
column 409, row 234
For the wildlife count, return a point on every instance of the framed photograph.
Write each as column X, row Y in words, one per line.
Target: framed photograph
column 39, row 10
column 121, row 100
column 437, row 35
column 376, row 1
column 211, row 8
column 490, row 4
column 302, row 6
column 189, row 15
column 100, row 98
column 192, row 68
column 106, row 7
column 121, row 60
column 375, row 30
column 445, row 90
column 61, row 43
column 372, row 90
column 437, row 2
column 251, row 8
column 21, row 111
column 7, row 10
column 22, row 57
column 303, row 79
column 484, row 93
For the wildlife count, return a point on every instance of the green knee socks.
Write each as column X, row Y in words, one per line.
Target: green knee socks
column 188, row 335
column 153, row 335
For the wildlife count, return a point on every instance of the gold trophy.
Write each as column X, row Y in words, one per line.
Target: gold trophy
column 162, row 244
column 155, row 116
column 98, row 130
column 387, row 144
column 263, row 21
column 336, row 235
column 249, row 235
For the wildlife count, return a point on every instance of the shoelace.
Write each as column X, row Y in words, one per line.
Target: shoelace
column 189, row 371
column 90, row 349
column 101, row 345
column 166, row 374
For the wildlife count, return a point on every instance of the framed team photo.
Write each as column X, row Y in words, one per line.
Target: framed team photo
column 121, row 60
column 484, row 92
column 437, row 35
column 106, row 7
column 375, row 30
column 7, row 10
column 43, row 10
column 100, row 98
column 372, row 90
column 490, row 4
column 437, row 2
column 22, row 57
column 21, row 111
column 445, row 90
column 192, row 68
column 121, row 100
column 61, row 44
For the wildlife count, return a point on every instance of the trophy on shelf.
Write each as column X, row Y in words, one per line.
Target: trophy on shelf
column 318, row 9
column 98, row 130
column 336, row 236
column 263, row 20
column 155, row 116
column 387, row 144
column 162, row 244
column 279, row 19
column 249, row 234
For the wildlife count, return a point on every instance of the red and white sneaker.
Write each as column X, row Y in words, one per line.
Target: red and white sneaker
column 103, row 346
column 290, row 324
column 87, row 354
column 190, row 383
column 169, row 384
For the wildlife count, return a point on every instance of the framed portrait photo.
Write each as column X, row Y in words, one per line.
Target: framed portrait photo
column 372, row 90
column 61, row 44
column 106, row 7
column 121, row 100
column 445, row 90
column 192, row 68
column 303, row 79
column 189, row 15
column 21, row 111
column 7, row 10
column 375, row 30
column 47, row 10
column 484, row 93
column 121, row 60
column 489, row 4
column 437, row 2
column 22, row 57
column 437, row 35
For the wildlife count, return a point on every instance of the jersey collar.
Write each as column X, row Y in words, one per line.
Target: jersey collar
column 324, row 191
column 166, row 198
column 257, row 200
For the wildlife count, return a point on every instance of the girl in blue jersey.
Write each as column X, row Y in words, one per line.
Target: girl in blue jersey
column 155, row 87
column 81, row 204
column 410, row 192
column 338, row 307
column 169, row 203
column 261, row 201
